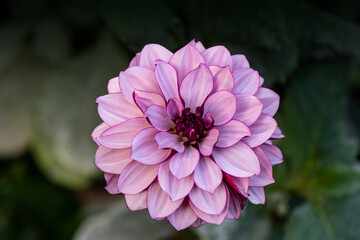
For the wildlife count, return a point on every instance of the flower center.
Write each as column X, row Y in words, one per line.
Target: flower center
column 192, row 127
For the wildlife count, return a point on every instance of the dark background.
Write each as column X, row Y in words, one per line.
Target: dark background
column 57, row 56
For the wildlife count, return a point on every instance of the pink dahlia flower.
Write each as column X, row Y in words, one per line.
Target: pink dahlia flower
column 187, row 135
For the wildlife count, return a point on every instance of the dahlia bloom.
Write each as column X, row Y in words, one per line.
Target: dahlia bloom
column 187, row 135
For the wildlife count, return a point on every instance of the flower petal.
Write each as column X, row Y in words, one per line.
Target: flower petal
column 139, row 78
column 239, row 61
column 145, row 149
column 175, row 188
column 231, row 133
column 236, row 204
column 136, row 202
column 113, row 85
column 159, row 203
column 261, row 131
column 207, row 202
column 183, row 164
column 207, row 143
column 256, row 195
column 136, row 177
column 207, row 174
column 183, row 217
column 158, row 117
column 222, row 106
column 167, row 79
column 246, row 81
column 248, row 108
column 269, row 99
column 135, row 61
column 273, row 153
column 121, row 135
column 185, row 60
column 196, row 86
column 152, row 52
column 199, row 46
column 98, row 131
column 113, row 109
column 111, row 183
column 242, row 185
column 169, row 140
column 112, row 160
column 174, row 108
column 218, row 56
column 238, row 160
column 265, row 177
column 277, row 134
column 145, row 99
column 223, row 78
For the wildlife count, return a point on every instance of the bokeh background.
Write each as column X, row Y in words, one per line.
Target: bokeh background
column 56, row 57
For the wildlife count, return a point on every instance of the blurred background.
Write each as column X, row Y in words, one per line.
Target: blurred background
column 57, row 56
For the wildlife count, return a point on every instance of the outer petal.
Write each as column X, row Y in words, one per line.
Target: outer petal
column 183, row 164
column 261, row 131
column 273, row 153
column 185, row 60
column 136, row 177
column 217, row 55
column 111, row 183
column 167, row 79
column 113, row 109
column 239, row 61
column 246, row 81
column 231, row 133
column 145, row 149
column 98, row 131
column 196, row 86
column 207, row 202
column 277, row 134
column 238, row 160
column 159, row 118
column 113, row 85
column 135, row 61
column 257, row 195
column 145, row 99
column 248, row 108
column 199, row 46
column 235, row 205
column 223, row 78
column 222, row 106
column 121, row 135
column 112, row 160
column 174, row 108
column 136, row 202
column 159, row 203
column 206, row 145
column 175, row 188
column 152, row 52
column 265, row 177
column 139, row 78
column 207, row 175
column 183, row 217
column 169, row 140
column 242, row 185
column 270, row 99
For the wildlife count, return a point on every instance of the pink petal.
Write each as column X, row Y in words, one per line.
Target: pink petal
column 239, row 61
column 248, row 108
column 183, row 217
column 113, row 85
column 196, row 86
column 183, row 164
column 223, row 78
column 145, row 149
column 207, row 143
column 235, row 205
column 174, row 108
column 136, row 202
column 112, row 160
column 175, row 188
column 185, row 60
column 265, row 177
column 113, row 109
column 246, row 81
column 277, row 134
column 159, row 203
column 231, row 133
column 158, row 117
column 199, row 46
column 207, row 202
column 222, row 106
column 136, row 177
column 152, row 52
column 135, row 61
column 238, row 160
column 217, row 55
column 139, row 78
column 261, row 131
column 121, row 135
column 111, row 183
column 199, row 222
column 207, row 174
column 167, row 79
column 273, row 153
column 256, row 195
column 169, row 140
column 145, row 99
column 242, row 185
column 98, row 131
column 269, row 99
column 261, row 81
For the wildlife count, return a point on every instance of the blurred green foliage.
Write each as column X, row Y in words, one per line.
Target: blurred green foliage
column 56, row 58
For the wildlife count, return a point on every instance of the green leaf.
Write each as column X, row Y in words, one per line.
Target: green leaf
column 336, row 219
column 67, row 114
